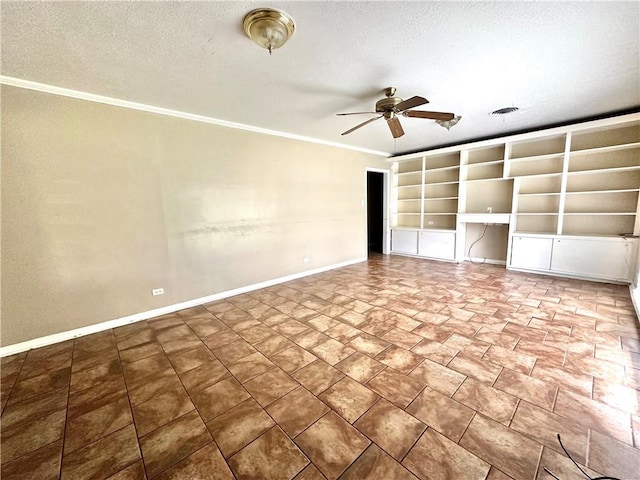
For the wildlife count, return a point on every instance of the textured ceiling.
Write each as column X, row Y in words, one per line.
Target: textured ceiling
column 557, row 61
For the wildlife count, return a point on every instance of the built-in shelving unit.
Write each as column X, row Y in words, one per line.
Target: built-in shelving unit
column 536, row 166
column 486, row 193
column 567, row 188
column 442, row 177
column 408, row 181
column 603, row 182
column 484, row 186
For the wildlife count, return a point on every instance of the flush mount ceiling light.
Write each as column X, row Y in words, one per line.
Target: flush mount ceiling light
column 449, row 123
column 268, row 27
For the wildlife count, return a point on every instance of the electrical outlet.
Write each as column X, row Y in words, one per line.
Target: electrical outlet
column 306, row 259
column 430, row 222
column 157, row 291
column 489, row 209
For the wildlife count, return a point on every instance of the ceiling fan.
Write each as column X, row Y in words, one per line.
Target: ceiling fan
column 391, row 106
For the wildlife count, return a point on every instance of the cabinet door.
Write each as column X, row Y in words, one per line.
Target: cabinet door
column 437, row 244
column 595, row 258
column 404, row 241
column 531, row 252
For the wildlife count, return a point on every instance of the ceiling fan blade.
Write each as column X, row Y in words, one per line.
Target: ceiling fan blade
column 355, row 113
column 410, row 103
column 430, row 115
column 361, row 125
column 395, row 127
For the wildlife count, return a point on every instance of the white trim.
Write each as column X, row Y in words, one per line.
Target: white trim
column 486, row 218
column 490, row 261
column 635, row 298
column 552, row 273
column 423, row 257
column 90, row 97
column 118, row 322
column 386, row 189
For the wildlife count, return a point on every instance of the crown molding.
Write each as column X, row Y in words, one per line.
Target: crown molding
column 91, row 97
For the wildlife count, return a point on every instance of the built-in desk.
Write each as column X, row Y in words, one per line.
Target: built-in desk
column 492, row 218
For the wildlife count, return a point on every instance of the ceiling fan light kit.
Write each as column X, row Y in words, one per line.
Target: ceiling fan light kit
column 449, row 123
column 391, row 106
column 268, row 27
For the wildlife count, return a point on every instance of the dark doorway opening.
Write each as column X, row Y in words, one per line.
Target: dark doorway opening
column 375, row 206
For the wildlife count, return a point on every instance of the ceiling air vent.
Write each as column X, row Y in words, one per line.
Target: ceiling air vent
column 504, row 111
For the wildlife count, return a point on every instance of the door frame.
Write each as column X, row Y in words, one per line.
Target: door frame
column 386, row 227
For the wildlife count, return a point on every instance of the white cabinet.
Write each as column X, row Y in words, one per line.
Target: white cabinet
column 598, row 258
column 404, row 241
column 424, row 243
column 437, row 245
column 531, row 252
column 606, row 258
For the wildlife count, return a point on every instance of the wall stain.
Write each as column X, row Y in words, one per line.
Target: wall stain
column 248, row 228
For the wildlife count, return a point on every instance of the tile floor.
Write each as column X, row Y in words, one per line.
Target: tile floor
column 395, row 368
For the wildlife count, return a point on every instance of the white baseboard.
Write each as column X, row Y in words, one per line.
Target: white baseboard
column 402, row 254
column 635, row 298
column 484, row 260
column 118, row 322
column 567, row 275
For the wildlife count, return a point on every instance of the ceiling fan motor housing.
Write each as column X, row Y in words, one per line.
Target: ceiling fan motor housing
column 387, row 104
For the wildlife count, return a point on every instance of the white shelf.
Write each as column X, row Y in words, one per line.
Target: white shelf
column 537, row 157
column 611, row 238
column 600, row 213
column 587, row 192
column 493, row 179
column 409, row 186
column 440, row 183
column 603, row 170
column 539, row 213
column 610, row 148
column 527, row 233
column 482, row 164
column 440, row 169
column 538, row 194
column 417, row 229
column 534, row 175
column 439, row 198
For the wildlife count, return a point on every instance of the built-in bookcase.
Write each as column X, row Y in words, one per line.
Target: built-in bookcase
column 442, row 177
column 408, row 180
column 603, row 182
column 578, row 181
column 584, row 183
column 427, row 192
column 484, row 187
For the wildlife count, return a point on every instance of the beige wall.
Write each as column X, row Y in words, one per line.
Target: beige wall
column 101, row 204
column 493, row 245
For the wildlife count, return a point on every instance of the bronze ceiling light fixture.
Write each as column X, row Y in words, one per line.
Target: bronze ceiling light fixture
column 268, row 27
